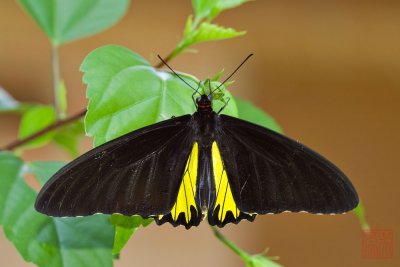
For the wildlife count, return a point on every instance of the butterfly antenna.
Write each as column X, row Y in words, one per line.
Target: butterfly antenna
column 177, row 75
column 238, row 67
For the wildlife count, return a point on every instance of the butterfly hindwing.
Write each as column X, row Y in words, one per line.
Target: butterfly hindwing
column 270, row 173
column 223, row 209
column 186, row 210
column 139, row 173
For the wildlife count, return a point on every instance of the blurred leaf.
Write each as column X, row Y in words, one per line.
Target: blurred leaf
column 209, row 32
column 359, row 211
column 261, row 260
column 64, row 21
column 222, row 5
column 7, row 102
column 34, row 120
column 212, row 32
column 217, row 76
column 46, row 241
column 68, row 137
column 202, row 8
column 249, row 112
column 125, row 226
column 62, row 98
column 212, row 8
column 121, row 83
column 188, row 26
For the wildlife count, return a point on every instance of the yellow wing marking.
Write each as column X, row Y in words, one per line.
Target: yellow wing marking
column 224, row 196
column 187, row 189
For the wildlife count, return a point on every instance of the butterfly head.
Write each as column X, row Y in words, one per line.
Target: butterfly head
column 204, row 103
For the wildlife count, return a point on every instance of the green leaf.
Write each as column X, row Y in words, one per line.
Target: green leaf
column 209, row 32
column 68, row 137
column 212, row 8
column 212, row 32
column 222, row 5
column 260, row 260
column 126, row 94
column 46, row 241
column 217, row 76
column 34, row 120
column 188, row 26
column 249, row 112
column 64, row 21
column 202, row 8
column 359, row 211
column 125, row 226
column 62, row 98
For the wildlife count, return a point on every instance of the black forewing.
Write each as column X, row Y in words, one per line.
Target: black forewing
column 270, row 173
column 138, row 173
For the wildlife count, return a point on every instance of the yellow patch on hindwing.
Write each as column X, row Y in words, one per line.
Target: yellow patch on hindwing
column 224, row 197
column 187, row 189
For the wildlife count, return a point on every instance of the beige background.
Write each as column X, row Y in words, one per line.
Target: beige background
column 328, row 71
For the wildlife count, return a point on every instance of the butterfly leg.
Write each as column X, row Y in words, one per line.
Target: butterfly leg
column 196, row 92
column 222, row 108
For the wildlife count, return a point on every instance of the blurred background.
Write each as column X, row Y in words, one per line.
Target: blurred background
column 327, row 71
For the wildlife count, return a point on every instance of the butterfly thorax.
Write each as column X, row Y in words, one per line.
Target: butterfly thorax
column 204, row 104
column 205, row 119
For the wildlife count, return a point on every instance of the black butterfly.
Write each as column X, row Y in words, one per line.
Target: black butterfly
column 185, row 168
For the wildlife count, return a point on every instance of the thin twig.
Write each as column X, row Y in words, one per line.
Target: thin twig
column 19, row 142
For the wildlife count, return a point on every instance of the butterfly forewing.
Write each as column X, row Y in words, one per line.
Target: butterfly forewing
column 137, row 174
column 269, row 173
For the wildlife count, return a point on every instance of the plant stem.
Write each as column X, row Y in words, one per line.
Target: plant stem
column 170, row 56
column 228, row 243
column 56, row 78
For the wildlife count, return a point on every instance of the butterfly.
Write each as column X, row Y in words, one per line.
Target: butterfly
column 190, row 167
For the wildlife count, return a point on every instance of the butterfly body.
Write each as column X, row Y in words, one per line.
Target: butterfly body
column 195, row 166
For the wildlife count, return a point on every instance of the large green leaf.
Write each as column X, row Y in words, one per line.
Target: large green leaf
column 46, row 241
column 43, row 170
column 126, row 94
column 34, row 120
column 64, row 21
column 249, row 112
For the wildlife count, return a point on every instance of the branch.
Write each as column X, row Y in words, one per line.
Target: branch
column 19, row 142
